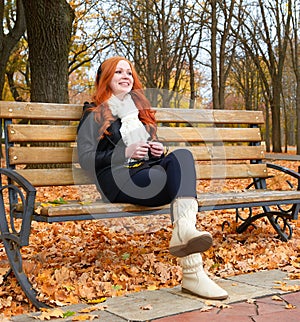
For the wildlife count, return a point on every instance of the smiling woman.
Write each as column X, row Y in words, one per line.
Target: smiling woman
column 118, row 145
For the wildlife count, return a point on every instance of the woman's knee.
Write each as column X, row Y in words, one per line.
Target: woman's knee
column 183, row 156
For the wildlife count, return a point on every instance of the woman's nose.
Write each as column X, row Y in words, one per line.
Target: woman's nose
column 124, row 74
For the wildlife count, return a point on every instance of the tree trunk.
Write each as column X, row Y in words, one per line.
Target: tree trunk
column 49, row 26
column 298, row 116
column 267, row 135
column 214, row 75
column 276, row 127
column 9, row 41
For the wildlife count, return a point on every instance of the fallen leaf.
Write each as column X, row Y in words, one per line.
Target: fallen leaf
column 48, row 314
column 206, row 308
column 146, row 307
column 223, row 306
column 89, row 309
column 208, row 303
column 290, row 306
column 85, row 317
column 251, row 301
column 96, row 301
column 294, row 276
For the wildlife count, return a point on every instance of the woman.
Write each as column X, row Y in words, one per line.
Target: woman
column 118, row 145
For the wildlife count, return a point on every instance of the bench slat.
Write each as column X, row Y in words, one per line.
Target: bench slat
column 230, row 198
column 37, row 155
column 40, row 111
column 70, row 176
column 41, row 133
column 227, row 152
column 55, row 177
column 192, row 134
column 45, row 111
column 63, row 133
column 230, row 171
column 209, row 116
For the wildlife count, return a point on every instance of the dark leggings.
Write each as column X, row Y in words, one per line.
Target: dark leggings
column 174, row 176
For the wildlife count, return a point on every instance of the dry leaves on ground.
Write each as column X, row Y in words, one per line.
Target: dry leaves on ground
column 89, row 261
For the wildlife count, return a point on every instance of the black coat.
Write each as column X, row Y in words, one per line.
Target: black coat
column 104, row 159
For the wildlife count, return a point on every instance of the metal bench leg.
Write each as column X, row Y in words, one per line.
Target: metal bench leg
column 15, row 259
column 284, row 230
column 12, row 238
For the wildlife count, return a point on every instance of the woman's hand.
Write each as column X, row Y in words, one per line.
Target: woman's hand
column 156, row 148
column 137, row 150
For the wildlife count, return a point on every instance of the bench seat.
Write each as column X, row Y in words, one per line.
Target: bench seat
column 85, row 210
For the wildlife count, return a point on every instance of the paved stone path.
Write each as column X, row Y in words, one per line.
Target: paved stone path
column 252, row 297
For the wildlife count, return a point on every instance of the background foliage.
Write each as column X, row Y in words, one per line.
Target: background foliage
column 232, row 54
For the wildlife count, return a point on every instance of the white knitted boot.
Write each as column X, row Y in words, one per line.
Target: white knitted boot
column 195, row 280
column 186, row 239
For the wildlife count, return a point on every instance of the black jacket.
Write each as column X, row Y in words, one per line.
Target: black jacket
column 104, row 159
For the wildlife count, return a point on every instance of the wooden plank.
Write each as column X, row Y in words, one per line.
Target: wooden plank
column 209, row 116
column 204, row 199
column 230, row 171
column 226, row 152
column 38, row 155
column 67, row 133
column 53, row 111
column 55, row 177
column 77, row 208
column 248, row 196
column 207, row 134
column 40, row 111
column 41, row 133
column 70, row 176
column 282, row 156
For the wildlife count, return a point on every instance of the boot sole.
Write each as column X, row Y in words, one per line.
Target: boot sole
column 196, row 245
column 184, row 290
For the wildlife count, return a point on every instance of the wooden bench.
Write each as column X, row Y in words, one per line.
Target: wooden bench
column 226, row 144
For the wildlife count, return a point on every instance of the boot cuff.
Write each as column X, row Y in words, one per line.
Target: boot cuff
column 191, row 263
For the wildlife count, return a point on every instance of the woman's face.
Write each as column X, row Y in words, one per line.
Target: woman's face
column 122, row 80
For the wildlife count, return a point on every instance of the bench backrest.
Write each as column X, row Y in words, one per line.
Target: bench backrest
column 225, row 143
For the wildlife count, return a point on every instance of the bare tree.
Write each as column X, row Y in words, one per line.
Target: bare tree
column 265, row 36
column 223, row 18
column 295, row 52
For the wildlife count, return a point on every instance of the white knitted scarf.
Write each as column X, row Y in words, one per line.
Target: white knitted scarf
column 132, row 129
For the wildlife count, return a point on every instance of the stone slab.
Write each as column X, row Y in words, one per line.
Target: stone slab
column 238, row 291
column 265, row 279
column 161, row 303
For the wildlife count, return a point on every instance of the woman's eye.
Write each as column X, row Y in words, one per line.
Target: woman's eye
column 120, row 72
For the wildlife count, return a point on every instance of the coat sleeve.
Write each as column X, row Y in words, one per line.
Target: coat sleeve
column 93, row 154
column 87, row 140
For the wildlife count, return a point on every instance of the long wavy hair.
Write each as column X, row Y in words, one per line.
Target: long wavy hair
column 103, row 92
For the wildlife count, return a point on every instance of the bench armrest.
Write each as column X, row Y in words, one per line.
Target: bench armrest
column 19, row 190
column 286, row 171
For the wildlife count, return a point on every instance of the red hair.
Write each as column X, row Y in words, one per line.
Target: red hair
column 103, row 92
